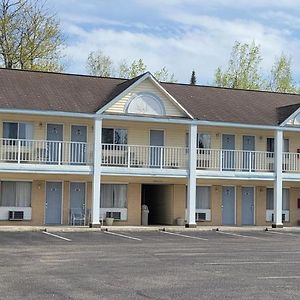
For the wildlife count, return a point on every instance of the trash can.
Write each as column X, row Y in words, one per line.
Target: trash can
column 145, row 213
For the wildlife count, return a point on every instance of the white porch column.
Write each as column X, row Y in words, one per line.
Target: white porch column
column 191, row 194
column 278, row 180
column 97, row 172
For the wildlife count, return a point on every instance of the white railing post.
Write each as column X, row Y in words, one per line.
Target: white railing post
column 59, row 153
column 191, row 194
column 19, row 151
column 96, row 211
column 221, row 159
column 128, row 157
column 278, row 180
column 161, row 157
column 250, row 161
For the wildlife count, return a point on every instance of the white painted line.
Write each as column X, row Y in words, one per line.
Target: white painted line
column 240, row 235
column 285, row 233
column 252, row 263
column 186, row 236
column 122, row 235
column 279, row 277
column 57, row 236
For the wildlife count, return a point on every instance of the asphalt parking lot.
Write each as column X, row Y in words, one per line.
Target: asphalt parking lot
column 150, row 265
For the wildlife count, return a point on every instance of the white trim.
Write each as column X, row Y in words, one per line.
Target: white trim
column 53, row 113
column 147, row 75
column 291, row 117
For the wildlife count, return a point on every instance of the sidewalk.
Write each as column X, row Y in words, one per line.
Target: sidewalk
column 66, row 228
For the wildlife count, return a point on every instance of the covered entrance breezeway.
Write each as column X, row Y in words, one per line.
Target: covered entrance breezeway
column 160, row 201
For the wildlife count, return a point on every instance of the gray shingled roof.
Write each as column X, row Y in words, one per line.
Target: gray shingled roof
column 87, row 94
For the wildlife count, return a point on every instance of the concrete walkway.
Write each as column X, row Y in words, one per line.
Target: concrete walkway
column 66, row 228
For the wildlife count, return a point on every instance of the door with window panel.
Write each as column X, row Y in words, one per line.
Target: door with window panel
column 78, row 145
column 54, row 144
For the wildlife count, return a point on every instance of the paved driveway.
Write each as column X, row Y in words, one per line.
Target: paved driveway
column 150, row 265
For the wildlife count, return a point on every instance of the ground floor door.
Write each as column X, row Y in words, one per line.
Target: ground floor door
column 53, row 203
column 228, row 205
column 247, row 206
column 77, row 203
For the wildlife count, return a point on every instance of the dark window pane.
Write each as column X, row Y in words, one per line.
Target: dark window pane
column 10, row 130
column 107, row 136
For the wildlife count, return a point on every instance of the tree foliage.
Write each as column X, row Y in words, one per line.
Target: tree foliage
column 193, row 80
column 99, row 64
column 244, row 71
column 243, row 68
column 163, row 75
column 30, row 37
column 281, row 76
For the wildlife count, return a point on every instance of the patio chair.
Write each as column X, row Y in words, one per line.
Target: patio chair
column 77, row 216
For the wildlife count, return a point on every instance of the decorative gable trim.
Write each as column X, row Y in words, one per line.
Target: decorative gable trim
column 149, row 76
column 290, row 121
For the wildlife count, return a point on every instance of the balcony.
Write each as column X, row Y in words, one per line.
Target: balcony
column 18, row 154
column 235, row 160
column 39, row 152
column 137, row 156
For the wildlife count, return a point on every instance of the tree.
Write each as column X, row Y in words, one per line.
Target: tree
column 193, row 80
column 243, row 68
column 163, row 75
column 99, row 64
column 281, row 76
column 30, row 37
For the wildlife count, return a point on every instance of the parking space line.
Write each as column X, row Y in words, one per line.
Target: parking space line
column 252, row 263
column 57, row 236
column 279, row 277
column 183, row 235
column 285, row 233
column 122, row 235
column 240, row 235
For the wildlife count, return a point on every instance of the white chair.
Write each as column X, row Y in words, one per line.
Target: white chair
column 77, row 216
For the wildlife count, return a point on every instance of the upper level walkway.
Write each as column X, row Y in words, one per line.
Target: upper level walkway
column 74, row 157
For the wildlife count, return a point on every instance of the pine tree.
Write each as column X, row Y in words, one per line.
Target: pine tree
column 193, row 78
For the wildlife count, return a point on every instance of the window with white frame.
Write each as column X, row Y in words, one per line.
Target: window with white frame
column 116, row 136
column 271, row 145
column 113, row 201
column 270, row 204
column 203, row 140
column 15, row 194
column 13, row 130
column 203, row 203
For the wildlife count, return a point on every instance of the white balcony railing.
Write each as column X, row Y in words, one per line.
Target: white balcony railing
column 44, row 152
column 291, row 162
column 137, row 156
column 235, row 160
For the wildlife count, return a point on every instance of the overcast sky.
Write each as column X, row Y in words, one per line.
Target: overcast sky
column 179, row 34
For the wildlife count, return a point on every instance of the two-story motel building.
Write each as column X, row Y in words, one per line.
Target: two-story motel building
column 102, row 147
